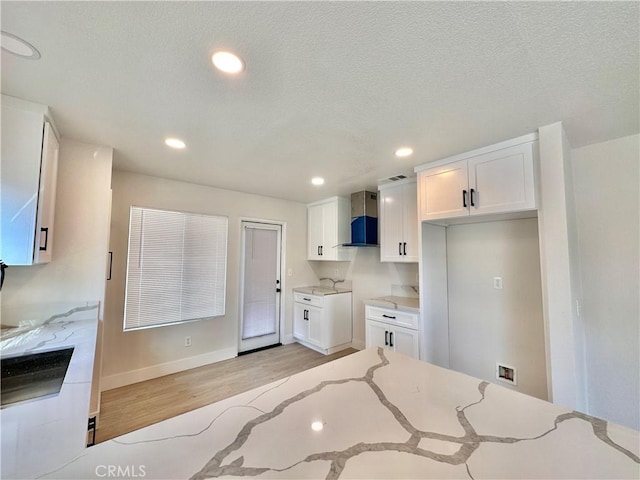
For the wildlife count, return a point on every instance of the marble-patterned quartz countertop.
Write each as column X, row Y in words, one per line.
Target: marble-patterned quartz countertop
column 373, row 414
column 321, row 290
column 410, row 304
column 39, row 434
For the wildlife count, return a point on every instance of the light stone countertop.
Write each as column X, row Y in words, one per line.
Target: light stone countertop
column 373, row 414
column 321, row 290
column 40, row 434
column 409, row 304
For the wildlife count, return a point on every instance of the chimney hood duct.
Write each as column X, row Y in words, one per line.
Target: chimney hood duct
column 364, row 219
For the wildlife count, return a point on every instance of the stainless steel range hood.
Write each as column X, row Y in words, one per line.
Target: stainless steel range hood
column 364, row 219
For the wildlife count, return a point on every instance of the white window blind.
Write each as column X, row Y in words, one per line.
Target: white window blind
column 176, row 267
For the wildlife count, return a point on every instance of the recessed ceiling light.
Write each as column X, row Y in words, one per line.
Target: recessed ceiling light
column 13, row 44
column 227, row 62
column 317, row 426
column 317, row 180
column 404, row 152
column 175, row 143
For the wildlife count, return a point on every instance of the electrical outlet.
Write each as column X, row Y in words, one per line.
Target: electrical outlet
column 497, row 283
column 187, row 341
column 290, row 272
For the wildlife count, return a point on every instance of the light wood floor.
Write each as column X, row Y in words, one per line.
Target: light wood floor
column 135, row 406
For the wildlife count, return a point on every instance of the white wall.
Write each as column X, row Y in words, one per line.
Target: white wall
column 139, row 355
column 369, row 278
column 560, row 271
column 77, row 271
column 606, row 179
column 487, row 325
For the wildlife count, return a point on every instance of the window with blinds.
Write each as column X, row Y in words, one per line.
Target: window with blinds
column 176, row 268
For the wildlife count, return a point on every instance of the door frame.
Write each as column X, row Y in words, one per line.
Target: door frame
column 283, row 249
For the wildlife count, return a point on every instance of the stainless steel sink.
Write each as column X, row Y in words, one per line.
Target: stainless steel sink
column 33, row 375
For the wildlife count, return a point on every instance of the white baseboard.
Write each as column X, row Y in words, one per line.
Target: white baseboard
column 358, row 344
column 140, row 375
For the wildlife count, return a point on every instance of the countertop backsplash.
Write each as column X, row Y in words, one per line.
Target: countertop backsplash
column 411, row 291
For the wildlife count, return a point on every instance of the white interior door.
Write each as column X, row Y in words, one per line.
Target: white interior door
column 261, row 283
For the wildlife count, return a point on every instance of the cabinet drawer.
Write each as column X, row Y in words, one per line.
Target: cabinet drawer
column 306, row 299
column 392, row 316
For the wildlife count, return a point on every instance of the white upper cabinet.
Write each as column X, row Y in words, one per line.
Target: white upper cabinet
column 328, row 228
column 28, row 183
column 399, row 222
column 492, row 180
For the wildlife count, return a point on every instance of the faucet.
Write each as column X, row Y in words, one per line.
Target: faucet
column 333, row 281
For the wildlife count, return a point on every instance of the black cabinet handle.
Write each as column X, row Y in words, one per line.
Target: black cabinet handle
column 110, row 264
column 404, row 248
column 391, row 339
column 386, row 338
column 471, row 195
column 399, row 248
column 305, row 315
column 464, row 198
column 388, row 316
column 46, row 237
column 306, row 299
column 319, row 250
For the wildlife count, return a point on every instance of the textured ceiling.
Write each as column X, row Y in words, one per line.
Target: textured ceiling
column 330, row 89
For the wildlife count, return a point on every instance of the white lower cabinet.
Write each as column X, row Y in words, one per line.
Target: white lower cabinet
column 383, row 330
column 322, row 322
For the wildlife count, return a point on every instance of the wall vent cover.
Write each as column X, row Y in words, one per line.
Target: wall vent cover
column 391, row 179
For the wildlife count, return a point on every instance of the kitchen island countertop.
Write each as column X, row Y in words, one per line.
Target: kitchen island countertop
column 372, row 414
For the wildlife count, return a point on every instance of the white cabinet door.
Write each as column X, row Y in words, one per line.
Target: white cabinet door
column 444, row 191
column 377, row 334
column 391, row 224
column 315, row 231
column 46, row 197
column 404, row 340
column 502, row 181
column 410, row 223
column 329, row 231
column 317, row 330
column 300, row 322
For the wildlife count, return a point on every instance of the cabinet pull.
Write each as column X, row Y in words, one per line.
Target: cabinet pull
column 46, row 237
column 110, row 264
column 391, row 339
column 386, row 338
column 464, row 198
column 404, row 248
column 471, row 196
column 388, row 316
column 306, row 299
column 399, row 248
column 321, row 249
column 305, row 315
